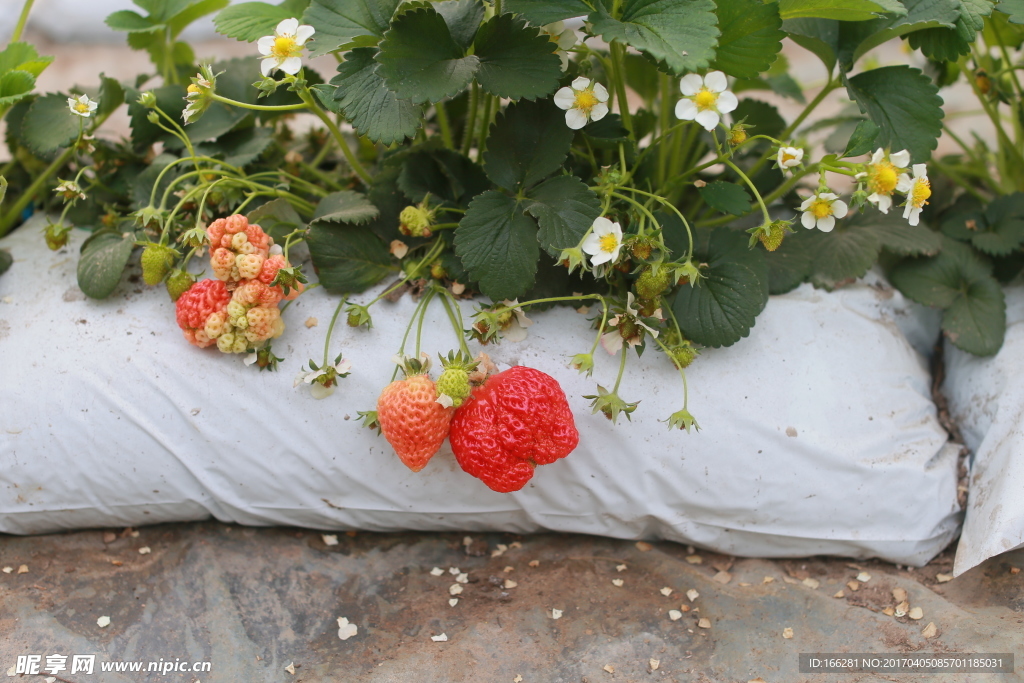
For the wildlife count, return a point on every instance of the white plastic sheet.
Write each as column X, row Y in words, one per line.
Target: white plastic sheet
column 818, row 432
column 986, row 400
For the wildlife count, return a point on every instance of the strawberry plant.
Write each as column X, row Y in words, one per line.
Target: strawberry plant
column 623, row 155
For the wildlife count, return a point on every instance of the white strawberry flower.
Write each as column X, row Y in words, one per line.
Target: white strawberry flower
column 821, row 211
column 789, row 157
column 564, row 38
column 918, row 189
column 613, row 341
column 516, row 330
column 603, row 242
column 705, row 99
column 881, row 176
column 325, row 387
column 82, row 106
column 582, row 102
column 282, row 50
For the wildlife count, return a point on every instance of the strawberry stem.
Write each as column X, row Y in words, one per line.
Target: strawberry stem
column 330, row 330
column 457, row 323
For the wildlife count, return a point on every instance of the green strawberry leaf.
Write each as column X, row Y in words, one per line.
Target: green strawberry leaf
column 241, row 147
column 347, row 258
column 370, row 107
column 1013, row 9
column 191, row 11
column 721, row 309
column 338, row 23
column 764, row 117
column 565, row 209
column 50, row 125
column 750, row 39
column 680, row 33
column 170, row 98
column 527, row 143
column 22, row 57
column 132, row 22
column 420, row 61
column 820, row 36
column 541, row 12
column 515, row 62
column 277, row 218
column 5, row 259
column 857, row 38
column 345, row 206
column 250, row 21
column 102, row 262
column 941, row 44
column 844, row 254
column 862, row 140
column 498, row 245
column 463, row 18
column 846, row 10
column 958, row 281
column 896, row 235
column 15, row 86
column 443, row 173
column 904, row 104
column 1002, row 231
column 726, row 197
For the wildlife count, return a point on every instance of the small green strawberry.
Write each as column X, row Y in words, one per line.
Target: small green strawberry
column 453, row 386
column 652, row 282
column 773, row 238
column 157, row 261
column 178, row 283
column 682, row 356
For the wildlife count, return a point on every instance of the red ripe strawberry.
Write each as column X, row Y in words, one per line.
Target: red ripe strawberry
column 517, row 420
column 412, row 420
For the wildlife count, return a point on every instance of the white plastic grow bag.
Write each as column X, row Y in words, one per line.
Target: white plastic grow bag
column 986, row 400
column 818, row 432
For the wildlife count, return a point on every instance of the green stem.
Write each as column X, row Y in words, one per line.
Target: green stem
column 831, row 85
column 665, row 202
column 423, row 316
column 350, row 157
column 325, row 149
column 622, row 369
column 484, row 125
column 467, row 134
column 22, row 20
column 959, row 180
column 619, row 76
column 330, row 330
column 456, row 322
column 257, row 107
column 757, row 195
column 604, row 323
column 442, row 121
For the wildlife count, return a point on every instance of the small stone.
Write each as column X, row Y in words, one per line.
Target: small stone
column 533, row 563
column 515, row 545
column 943, row 578
column 453, row 601
column 889, row 611
column 1015, row 570
column 436, row 571
column 508, row 569
column 103, row 622
column 791, row 580
column 644, row 546
column 617, row 582
column 853, row 585
column 863, row 577
column 704, row 622
column 839, row 594
column 499, row 550
column 666, row 591
column 517, row 679
column 756, row 680
column 768, row 579
column 811, row 583
column 722, row 577
column 675, row 615
column 787, row 633
column 290, row 668
column 916, row 613
column 655, row 663
column 117, row 563
column 109, row 537
column 694, row 559
column 790, row 431
column 692, row 594
column 443, row 638
column 744, row 584
column 329, row 539
column 509, row 583
column 609, row 668
column 345, row 629
column 462, row 578
column 8, row 570
column 134, row 533
column 620, row 567
column 454, row 571
column 455, row 589
column 556, row 614
column 899, row 595
column 467, row 540
column 930, row 631
column 23, row 569
column 684, row 608
column 311, row 322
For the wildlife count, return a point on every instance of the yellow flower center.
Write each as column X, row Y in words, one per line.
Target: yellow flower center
column 787, row 157
column 193, row 89
column 81, row 107
column 585, row 101
column 705, row 99
column 285, row 47
column 821, row 208
column 921, row 192
column 882, row 178
column 609, row 243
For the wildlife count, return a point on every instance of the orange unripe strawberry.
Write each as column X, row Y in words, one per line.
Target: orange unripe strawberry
column 412, row 420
